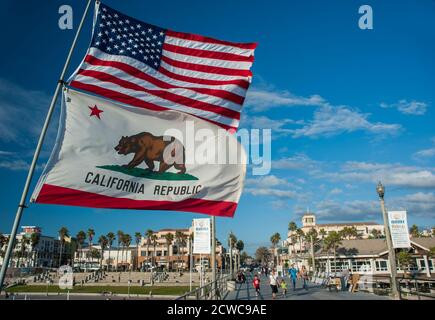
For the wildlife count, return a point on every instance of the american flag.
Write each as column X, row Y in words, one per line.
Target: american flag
column 146, row 66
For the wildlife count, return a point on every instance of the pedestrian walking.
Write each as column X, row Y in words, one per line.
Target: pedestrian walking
column 256, row 284
column 273, row 281
column 293, row 274
column 304, row 275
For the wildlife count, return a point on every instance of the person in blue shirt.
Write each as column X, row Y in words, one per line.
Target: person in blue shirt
column 293, row 274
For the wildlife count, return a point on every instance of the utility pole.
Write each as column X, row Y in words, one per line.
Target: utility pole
column 391, row 253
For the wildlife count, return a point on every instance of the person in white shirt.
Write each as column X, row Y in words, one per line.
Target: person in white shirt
column 273, row 281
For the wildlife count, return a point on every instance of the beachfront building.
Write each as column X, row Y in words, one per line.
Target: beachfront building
column 370, row 257
column 42, row 253
column 176, row 254
column 364, row 230
column 92, row 258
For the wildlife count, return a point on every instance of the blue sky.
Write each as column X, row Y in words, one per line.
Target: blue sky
column 347, row 107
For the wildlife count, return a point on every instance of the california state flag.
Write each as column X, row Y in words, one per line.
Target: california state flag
column 110, row 155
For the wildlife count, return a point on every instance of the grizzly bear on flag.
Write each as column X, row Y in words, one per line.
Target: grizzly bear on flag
column 146, row 147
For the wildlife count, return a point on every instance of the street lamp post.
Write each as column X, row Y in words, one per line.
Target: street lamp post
column 391, row 254
column 231, row 258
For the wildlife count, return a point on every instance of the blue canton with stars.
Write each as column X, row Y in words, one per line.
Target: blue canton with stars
column 116, row 33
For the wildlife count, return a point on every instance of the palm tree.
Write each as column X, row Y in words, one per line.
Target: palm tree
column 102, row 241
column 81, row 236
column 148, row 235
column 322, row 233
column 240, row 245
column 300, row 233
column 154, row 241
column 274, row 239
column 119, row 234
column 294, row 239
column 348, row 233
column 110, row 238
column 126, row 241
column 63, row 233
column 34, row 240
column 232, row 240
column 178, row 240
column 3, row 241
column 376, row 233
column 292, row 227
column 333, row 241
column 90, row 233
column 262, row 255
column 183, row 242
column 312, row 236
column 23, row 248
column 169, row 237
column 137, row 239
column 414, row 231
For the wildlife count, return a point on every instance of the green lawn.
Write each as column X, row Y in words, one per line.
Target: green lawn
column 173, row 290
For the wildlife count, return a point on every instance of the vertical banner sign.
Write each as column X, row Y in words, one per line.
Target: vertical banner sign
column 399, row 229
column 201, row 236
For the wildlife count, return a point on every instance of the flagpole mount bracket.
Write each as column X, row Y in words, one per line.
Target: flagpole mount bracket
column 22, row 206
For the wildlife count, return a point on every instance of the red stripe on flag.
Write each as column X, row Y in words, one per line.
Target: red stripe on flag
column 162, row 84
column 188, row 102
column 207, row 54
column 240, row 82
column 207, row 69
column 195, row 37
column 123, row 98
column 51, row 194
column 139, row 74
column 116, row 95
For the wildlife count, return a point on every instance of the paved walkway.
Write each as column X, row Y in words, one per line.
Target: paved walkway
column 246, row 291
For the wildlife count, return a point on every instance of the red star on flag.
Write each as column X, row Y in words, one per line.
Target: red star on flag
column 95, row 111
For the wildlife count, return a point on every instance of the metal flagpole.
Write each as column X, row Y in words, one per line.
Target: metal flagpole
column 213, row 254
column 22, row 203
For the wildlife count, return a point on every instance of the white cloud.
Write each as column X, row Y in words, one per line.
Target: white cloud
column 6, row 153
column 261, row 99
column 389, row 173
column 263, row 122
column 21, row 112
column 425, row 153
column 15, row 165
column 266, row 181
column 417, row 204
column 271, row 192
column 18, row 165
column 335, row 191
column 297, row 162
column 279, row 204
column 408, row 107
column 348, row 210
column 333, row 120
